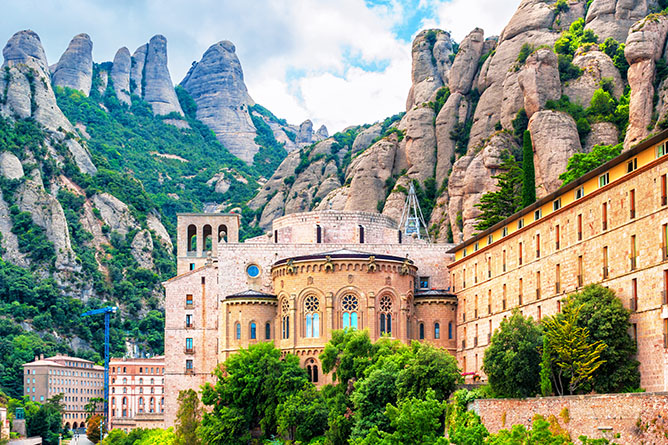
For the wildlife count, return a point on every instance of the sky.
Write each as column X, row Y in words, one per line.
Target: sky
column 336, row 62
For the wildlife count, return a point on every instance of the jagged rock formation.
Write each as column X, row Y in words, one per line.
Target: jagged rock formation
column 115, row 213
column 75, row 67
column 322, row 133
column 120, row 74
column 158, row 89
column 216, row 84
column 539, row 80
column 137, row 70
column 10, row 166
column 613, row 18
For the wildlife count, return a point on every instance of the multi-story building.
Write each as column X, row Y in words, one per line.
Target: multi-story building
column 318, row 271
column 312, row 273
column 78, row 380
column 609, row 227
column 136, row 393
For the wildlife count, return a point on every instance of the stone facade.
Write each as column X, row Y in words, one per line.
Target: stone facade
column 608, row 227
column 78, row 380
column 636, row 418
column 311, row 273
column 136, row 391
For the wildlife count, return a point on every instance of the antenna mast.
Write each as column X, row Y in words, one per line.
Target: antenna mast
column 412, row 221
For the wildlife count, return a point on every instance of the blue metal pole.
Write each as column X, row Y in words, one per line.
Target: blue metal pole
column 106, row 371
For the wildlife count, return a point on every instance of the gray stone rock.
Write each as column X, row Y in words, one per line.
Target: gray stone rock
column 602, row 133
column 465, row 65
column 216, row 84
column 81, row 157
column 142, row 249
column 155, row 224
column 613, row 18
column 9, row 241
column 10, row 166
column 539, row 80
column 595, row 65
column 25, row 47
column 530, row 15
column 75, row 67
column 137, row 70
column 115, row 213
column 430, row 65
column 47, row 213
column 555, row 139
column 366, row 137
column 158, row 86
column 454, row 110
column 420, row 142
column 305, row 134
column 120, row 74
column 322, row 133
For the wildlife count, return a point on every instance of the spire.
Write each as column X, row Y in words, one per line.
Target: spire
column 412, row 221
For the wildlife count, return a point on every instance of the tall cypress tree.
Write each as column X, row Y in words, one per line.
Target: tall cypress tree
column 529, row 182
column 506, row 199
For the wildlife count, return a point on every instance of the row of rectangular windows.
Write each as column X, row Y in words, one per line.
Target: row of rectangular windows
column 579, row 193
column 579, row 234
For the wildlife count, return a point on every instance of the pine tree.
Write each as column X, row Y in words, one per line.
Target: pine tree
column 506, row 200
column 529, row 182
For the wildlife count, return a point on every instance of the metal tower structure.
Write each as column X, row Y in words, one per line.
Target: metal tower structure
column 107, row 311
column 412, row 221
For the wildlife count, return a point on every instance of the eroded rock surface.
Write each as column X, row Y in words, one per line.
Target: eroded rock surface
column 75, row 67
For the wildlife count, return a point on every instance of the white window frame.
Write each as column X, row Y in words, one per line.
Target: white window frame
column 604, row 179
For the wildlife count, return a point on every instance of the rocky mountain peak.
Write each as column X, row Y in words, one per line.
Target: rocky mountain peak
column 430, row 65
column 26, row 48
column 75, row 67
column 120, row 74
column 216, row 84
column 158, row 87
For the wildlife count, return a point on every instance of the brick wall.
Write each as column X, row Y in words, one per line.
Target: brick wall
column 622, row 418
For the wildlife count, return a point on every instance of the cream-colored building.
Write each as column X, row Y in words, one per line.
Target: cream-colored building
column 312, row 273
column 608, row 227
column 78, row 380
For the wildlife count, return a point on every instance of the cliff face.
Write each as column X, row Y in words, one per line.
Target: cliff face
column 463, row 103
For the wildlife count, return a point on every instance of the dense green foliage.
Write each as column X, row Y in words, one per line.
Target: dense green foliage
column 512, row 360
column 271, row 152
column 581, row 163
column 528, row 172
column 615, row 51
column 499, row 204
column 187, row 418
column 41, row 419
column 140, row 436
column 602, row 313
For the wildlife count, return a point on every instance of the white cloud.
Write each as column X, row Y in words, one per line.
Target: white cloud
column 301, row 58
column 461, row 16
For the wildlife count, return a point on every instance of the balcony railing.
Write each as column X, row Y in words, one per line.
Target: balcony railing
column 190, row 325
column 189, row 304
column 187, row 350
column 605, row 272
column 191, row 253
column 633, row 304
column 190, row 371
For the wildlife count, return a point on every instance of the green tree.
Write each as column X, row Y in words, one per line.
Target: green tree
column 529, row 179
column 187, row 418
column 506, row 199
column 249, row 387
column 302, row 416
column 540, row 433
column 603, row 314
column 581, row 163
column 347, row 355
column 372, row 394
column 512, row 360
column 574, row 357
column 546, row 369
column 428, row 368
column 45, row 420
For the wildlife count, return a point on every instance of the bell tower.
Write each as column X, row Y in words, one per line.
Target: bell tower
column 199, row 236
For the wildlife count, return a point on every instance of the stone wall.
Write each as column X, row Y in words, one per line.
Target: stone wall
column 623, row 418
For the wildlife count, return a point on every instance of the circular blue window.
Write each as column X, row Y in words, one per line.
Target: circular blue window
column 253, row 271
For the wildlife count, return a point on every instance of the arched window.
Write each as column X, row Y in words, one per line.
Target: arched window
column 124, row 371
column 141, row 370
column 125, row 400
column 125, row 381
column 385, row 309
column 421, row 331
column 125, row 390
column 113, row 401
column 141, row 381
column 450, row 330
column 253, row 331
column 285, row 319
column 237, row 329
column 152, row 381
column 267, row 331
column 207, row 237
column 312, row 370
column 311, row 308
column 192, row 238
column 437, row 330
column 349, row 306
